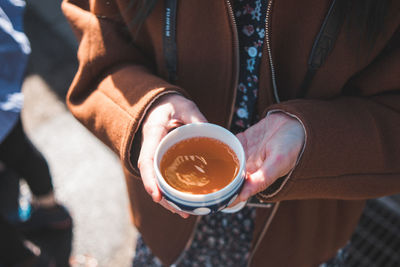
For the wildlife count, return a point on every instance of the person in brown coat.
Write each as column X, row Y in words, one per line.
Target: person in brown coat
column 314, row 99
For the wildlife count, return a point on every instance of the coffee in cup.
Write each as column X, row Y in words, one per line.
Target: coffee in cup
column 199, row 165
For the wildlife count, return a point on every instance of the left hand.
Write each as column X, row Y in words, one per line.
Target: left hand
column 272, row 147
column 167, row 112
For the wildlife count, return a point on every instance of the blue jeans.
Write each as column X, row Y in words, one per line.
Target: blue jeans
column 14, row 51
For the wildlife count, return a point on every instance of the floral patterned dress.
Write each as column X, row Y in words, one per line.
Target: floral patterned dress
column 250, row 21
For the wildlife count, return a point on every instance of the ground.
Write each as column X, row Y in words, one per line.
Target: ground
column 87, row 175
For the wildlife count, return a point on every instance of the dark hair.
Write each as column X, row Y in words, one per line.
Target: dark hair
column 364, row 17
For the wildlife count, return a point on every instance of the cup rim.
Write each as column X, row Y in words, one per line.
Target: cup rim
column 201, row 198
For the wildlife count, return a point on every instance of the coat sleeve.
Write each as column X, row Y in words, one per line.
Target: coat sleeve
column 352, row 148
column 115, row 82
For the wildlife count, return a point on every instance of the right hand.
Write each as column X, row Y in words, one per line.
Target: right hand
column 168, row 112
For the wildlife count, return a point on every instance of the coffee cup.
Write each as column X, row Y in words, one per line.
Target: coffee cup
column 200, row 203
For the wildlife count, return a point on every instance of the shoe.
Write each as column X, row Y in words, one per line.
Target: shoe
column 56, row 217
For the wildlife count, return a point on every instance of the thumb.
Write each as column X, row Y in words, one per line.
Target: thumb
column 259, row 180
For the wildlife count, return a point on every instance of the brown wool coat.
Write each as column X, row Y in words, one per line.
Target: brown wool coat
column 351, row 114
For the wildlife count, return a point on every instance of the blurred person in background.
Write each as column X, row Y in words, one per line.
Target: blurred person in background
column 311, row 88
column 19, row 156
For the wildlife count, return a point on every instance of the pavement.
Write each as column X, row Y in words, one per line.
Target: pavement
column 87, row 176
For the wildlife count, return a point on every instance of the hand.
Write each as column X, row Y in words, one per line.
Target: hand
column 168, row 112
column 272, row 147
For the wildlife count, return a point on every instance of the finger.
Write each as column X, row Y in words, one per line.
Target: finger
column 186, row 118
column 240, row 198
column 192, row 115
column 174, row 123
column 151, row 139
column 237, row 201
column 263, row 177
column 197, row 117
column 148, row 178
column 243, row 141
column 165, row 204
column 255, row 161
column 252, row 186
